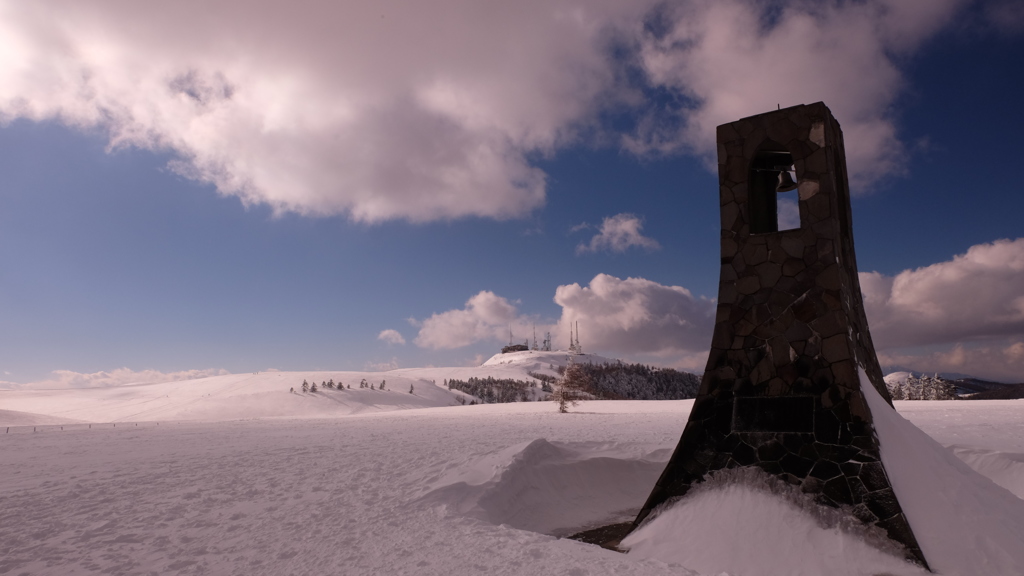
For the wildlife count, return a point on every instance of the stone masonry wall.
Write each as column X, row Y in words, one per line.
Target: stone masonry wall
column 781, row 390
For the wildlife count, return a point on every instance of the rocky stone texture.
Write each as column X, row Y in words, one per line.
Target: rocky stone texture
column 781, row 390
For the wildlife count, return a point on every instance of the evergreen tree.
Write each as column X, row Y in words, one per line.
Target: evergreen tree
column 305, row 386
column 570, row 390
column 313, row 387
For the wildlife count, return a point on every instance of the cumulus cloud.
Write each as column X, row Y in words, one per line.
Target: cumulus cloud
column 975, row 296
column 1002, row 362
column 1006, row 16
column 415, row 110
column 432, row 109
column 617, row 234
column 964, row 315
column 118, row 377
column 391, row 336
column 486, row 316
column 735, row 58
column 636, row 316
column 382, row 366
column 631, row 316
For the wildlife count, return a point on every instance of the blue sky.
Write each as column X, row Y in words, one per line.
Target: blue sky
column 173, row 199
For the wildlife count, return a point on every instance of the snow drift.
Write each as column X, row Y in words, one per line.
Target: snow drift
column 553, row 487
column 965, row 523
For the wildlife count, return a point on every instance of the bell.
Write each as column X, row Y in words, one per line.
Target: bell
column 786, row 182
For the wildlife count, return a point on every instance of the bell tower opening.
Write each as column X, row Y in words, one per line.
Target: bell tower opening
column 772, row 200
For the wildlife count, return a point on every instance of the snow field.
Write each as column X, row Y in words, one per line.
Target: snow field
column 339, row 496
column 460, row 490
column 235, row 475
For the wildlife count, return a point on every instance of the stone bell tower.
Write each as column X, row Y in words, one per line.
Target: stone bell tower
column 781, row 391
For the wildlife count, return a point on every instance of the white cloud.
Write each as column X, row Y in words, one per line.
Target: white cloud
column 431, row 109
column 631, row 316
column 975, row 296
column 118, row 377
column 416, row 110
column 382, row 366
column 736, row 58
column 391, row 336
column 486, row 316
column 1002, row 362
column 963, row 315
column 619, row 233
column 635, row 316
column 1006, row 16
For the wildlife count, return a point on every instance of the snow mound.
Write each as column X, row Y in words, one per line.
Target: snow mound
column 965, row 524
column 746, row 523
column 552, row 487
column 1004, row 468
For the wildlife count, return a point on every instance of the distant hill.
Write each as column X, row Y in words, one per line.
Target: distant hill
column 274, row 394
column 1003, row 392
column 965, row 387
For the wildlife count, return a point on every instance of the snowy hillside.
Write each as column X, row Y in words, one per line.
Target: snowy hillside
column 266, row 394
column 540, row 360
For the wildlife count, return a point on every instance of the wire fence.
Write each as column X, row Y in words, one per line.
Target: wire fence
column 49, row 428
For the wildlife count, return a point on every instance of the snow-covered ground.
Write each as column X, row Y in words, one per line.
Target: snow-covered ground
column 267, row 394
column 365, row 487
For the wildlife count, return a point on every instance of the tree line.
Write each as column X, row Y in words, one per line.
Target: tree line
column 330, row 385
column 589, row 382
column 637, row 382
column 923, row 388
column 491, row 390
